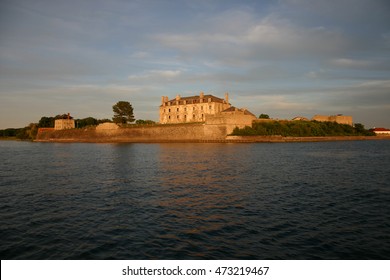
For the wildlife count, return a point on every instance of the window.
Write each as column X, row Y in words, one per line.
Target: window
column 210, row 107
column 177, row 116
column 169, row 110
column 193, row 116
column 201, row 107
column 177, row 109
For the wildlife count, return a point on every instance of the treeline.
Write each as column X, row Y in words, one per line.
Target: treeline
column 302, row 129
column 80, row 123
column 29, row 132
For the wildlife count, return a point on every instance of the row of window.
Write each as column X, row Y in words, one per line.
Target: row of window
column 185, row 117
column 184, row 102
column 185, row 109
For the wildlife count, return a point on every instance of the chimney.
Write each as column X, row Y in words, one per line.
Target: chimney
column 227, row 97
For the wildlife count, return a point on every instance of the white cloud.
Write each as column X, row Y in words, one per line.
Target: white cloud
column 266, row 39
column 140, row 55
column 157, row 74
column 352, row 63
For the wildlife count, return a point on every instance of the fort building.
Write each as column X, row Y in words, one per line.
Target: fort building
column 63, row 124
column 66, row 122
column 192, row 108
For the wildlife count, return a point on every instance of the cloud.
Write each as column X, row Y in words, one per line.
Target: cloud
column 140, row 55
column 156, row 74
column 352, row 63
column 269, row 38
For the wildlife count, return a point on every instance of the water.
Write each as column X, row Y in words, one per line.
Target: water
column 327, row 200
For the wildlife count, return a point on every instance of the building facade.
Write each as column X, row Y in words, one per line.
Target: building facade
column 64, row 124
column 192, row 108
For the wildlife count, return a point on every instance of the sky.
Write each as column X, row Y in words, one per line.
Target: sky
column 284, row 58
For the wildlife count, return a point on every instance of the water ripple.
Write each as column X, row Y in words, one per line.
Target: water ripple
column 187, row 201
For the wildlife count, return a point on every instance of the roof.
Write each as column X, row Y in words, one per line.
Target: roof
column 380, row 129
column 299, row 118
column 197, row 97
column 233, row 109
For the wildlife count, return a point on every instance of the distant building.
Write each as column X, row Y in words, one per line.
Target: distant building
column 299, row 118
column 67, row 122
column 192, row 108
column 380, row 131
column 338, row 119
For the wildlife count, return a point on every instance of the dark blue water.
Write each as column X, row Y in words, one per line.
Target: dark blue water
column 326, row 200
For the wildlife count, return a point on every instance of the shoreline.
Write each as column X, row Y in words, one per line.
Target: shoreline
column 228, row 139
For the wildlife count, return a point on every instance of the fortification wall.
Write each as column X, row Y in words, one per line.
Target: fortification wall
column 338, row 119
column 159, row 133
column 230, row 120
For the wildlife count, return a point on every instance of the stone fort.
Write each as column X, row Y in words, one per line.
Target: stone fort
column 192, row 108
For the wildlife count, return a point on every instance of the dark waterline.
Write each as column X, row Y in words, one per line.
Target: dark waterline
column 326, row 200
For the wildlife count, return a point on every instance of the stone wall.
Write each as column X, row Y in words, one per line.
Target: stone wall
column 338, row 119
column 159, row 133
column 230, row 120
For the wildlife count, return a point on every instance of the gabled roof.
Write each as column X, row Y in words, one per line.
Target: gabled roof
column 233, row 109
column 197, row 97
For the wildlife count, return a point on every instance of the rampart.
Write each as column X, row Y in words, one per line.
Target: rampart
column 192, row 133
column 196, row 132
column 338, row 119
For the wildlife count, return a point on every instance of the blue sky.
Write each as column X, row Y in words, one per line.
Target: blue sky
column 285, row 58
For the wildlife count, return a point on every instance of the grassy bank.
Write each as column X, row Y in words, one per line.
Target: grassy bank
column 302, row 129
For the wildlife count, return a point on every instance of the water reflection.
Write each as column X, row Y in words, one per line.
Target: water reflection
column 199, row 189
column 190, row 201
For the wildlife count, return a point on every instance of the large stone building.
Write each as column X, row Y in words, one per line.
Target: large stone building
column 192, row 108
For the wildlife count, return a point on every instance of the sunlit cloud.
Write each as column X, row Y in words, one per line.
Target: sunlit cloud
column 157, row 74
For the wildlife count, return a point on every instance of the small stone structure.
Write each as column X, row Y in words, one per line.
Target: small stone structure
column 338, row 119
column 61, row 124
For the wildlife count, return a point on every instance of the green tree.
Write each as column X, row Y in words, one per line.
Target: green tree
column 46, row 122
column 123, row 112
column 28, row 133
column 90, row 121
column 145, row 122
column 264, row 116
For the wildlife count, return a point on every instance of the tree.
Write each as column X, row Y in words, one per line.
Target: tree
column 263, row 116
column 145, row 122
column 46, row 122
column 123, row 112
column 90, row 121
